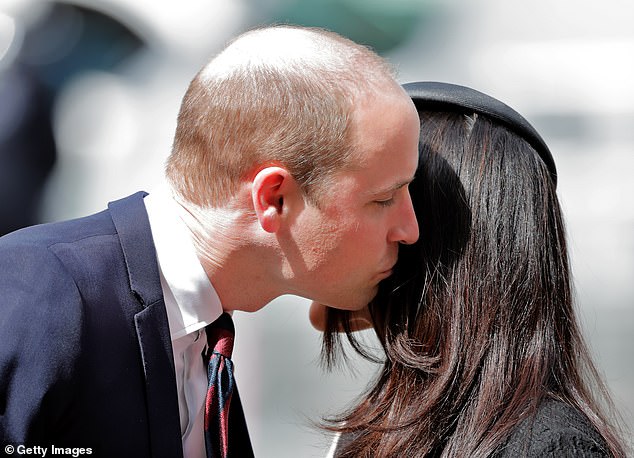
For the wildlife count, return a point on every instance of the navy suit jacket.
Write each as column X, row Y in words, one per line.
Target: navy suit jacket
column 85, row 350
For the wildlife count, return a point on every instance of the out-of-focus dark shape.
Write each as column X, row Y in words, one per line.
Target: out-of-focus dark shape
column 67, row 40
column 27, row 146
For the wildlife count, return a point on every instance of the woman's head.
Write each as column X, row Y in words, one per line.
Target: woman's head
column 477, row 322
column 492, row 259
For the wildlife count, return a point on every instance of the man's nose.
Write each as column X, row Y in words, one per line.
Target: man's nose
column 406, row 230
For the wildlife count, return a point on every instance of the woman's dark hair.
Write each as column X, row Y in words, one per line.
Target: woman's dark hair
column 477, row 322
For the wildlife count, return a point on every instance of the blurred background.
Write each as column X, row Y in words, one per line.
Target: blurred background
column 89, row 91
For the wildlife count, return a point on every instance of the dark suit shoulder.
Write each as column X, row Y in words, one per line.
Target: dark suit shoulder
column 36, row 268
column 556, row 430
column 44, row 235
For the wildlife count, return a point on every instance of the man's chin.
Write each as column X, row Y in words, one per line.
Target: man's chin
column 359, row 318
column 351, row 303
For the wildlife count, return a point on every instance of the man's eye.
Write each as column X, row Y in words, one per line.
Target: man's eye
column 385, row 203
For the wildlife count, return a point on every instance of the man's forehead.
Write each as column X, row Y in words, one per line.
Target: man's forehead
column 385, row 133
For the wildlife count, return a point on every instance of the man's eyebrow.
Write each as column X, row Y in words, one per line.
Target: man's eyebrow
column 393, row 188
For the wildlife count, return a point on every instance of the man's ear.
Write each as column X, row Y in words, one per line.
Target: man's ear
column 270, row 186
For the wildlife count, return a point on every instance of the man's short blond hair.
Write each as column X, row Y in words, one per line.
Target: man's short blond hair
column 280, row 95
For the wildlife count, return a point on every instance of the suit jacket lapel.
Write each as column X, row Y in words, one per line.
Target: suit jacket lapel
column 133, row 227
column 158, row 366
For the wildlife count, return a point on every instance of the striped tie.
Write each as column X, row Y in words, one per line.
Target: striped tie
column 220, row 393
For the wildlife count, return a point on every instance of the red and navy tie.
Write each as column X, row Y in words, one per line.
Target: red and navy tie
column 226, row 432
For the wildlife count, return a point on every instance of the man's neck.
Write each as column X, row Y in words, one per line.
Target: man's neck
column 238, row 268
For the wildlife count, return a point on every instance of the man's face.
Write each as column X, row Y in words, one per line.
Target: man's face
column 348, row 244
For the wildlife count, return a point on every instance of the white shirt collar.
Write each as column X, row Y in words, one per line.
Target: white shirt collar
column 190, row 299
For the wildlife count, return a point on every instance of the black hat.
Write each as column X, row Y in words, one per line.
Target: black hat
column 436, row 96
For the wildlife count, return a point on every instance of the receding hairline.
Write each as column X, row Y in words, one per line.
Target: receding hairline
column 289, row 48
column 262, row 48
